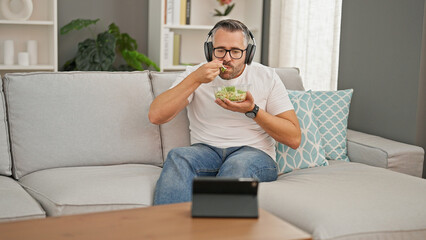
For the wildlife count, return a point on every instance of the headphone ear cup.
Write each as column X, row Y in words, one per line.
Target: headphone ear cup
column 208, row 51
column 251, row 49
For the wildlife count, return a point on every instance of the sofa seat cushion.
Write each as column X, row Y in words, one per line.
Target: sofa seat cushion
column 74, row 190
column 16, row 203
column 349, row 201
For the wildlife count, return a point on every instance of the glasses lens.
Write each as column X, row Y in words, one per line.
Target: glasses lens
column 236, row 53
column 220, row 52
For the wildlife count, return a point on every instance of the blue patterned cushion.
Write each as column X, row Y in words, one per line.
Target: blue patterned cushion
column 310, row 153
column 331, row 111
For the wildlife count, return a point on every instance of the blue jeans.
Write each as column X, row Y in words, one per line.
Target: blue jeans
column 184, row 164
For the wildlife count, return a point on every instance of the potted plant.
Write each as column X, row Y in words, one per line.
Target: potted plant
column 99, row 54
column 227, row 8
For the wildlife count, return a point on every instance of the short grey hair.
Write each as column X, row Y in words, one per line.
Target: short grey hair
column 232, row 25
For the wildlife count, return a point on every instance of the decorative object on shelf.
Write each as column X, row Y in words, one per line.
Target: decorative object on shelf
column 32, row 51
column 16, row 9
column 9, row 52
column 227, row 8
column 23, row 59
column 99, row 54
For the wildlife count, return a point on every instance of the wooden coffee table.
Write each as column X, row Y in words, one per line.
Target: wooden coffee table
column 172, row 221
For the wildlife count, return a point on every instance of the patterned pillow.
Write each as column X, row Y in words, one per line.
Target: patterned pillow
column 310, row 153
column 331, row 111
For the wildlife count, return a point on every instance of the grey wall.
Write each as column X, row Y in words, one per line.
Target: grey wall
column 131, row 16
column 421, row 116
column 380, row 52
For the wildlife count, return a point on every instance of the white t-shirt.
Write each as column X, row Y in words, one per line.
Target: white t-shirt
column 218, row 127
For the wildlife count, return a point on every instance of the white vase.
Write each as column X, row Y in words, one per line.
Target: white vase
column 16, row 9
column 23, row 59
column 32, row 51
column 9, row 52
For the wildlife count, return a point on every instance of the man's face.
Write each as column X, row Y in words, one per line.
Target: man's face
column 230, row 40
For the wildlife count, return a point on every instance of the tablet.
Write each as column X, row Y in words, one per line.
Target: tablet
column 224, row 197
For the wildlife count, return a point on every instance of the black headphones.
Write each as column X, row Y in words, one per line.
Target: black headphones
column 251, row 48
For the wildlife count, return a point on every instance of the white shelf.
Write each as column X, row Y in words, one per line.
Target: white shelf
column 193, row 35
column 11, row 22
column 175, row 68
column 31, row 67
column 189, row 27
column 41, row 27
column 197, row 27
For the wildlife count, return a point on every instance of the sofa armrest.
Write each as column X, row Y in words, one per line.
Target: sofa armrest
column 380, row 152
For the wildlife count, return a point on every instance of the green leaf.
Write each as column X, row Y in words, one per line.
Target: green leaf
column 230, row 89
column 69, row 65
column 136, row 59
column 124, row 41
column 77, row 24
column 218, row 13
column 96, row 55
column 229, row 9
column 114, row 30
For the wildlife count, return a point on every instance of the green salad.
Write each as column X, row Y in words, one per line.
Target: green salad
column 231, row 93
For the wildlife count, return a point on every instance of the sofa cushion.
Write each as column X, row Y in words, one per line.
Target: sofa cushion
column 349, row 201
column 5, row 160
column 80, row 119
column 16, row 203
column 176, row 132
column 291, row 78
column 310, row 153
column 331, row 108
column 74, row 190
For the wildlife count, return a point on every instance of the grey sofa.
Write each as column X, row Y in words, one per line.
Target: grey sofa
column 80, row 142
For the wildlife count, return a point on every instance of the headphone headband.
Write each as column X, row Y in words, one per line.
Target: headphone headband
column 251, row 48
column 249, row 33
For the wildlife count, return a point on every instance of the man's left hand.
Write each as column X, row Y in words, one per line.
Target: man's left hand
column 241, row 107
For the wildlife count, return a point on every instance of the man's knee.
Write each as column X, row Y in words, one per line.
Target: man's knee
column 238, row 168
column 176, row 157
column 250, row 165
column 175, row 153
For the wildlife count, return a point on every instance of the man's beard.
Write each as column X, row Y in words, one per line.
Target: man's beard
column 234, row 71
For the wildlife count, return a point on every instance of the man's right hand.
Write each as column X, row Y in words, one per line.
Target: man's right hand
column 208, row 72
column 168, row 104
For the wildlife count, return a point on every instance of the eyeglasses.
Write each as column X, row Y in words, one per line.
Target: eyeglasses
column 234, row 53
